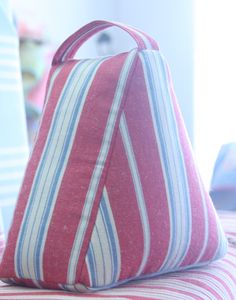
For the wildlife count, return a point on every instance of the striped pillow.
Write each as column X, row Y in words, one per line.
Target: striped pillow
column 111, row 191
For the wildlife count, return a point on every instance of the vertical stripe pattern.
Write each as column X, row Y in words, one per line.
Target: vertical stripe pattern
column 13, row 135
column 171, row 155
column 103, row 257
column 106, row 141
column 50, row 171
column 111, row 191
column 138, row 190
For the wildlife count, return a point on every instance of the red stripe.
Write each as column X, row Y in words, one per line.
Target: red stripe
column 217, row 278
column 197, row 212
column 125, row 210
column 74, row 186
column 203, row 287
column 7, row 265
column 224, row 283
column 139, row 120
column 84, row 276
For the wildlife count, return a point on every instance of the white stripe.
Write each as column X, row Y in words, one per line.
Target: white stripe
column 59, row 296
column 182, row 194
column 10, row 87
column 36, row 283
column 88, row 204
column 8, row 189
column 9, row 51
column 11, row 176
column 158, row 144
column 222, row 247
column 141, row 35
column 74, row 95
column 9, row 63
column 102, row 249
column 52, row 79
column 8, row 40
column 51, row 83
column 138, row 191
column 40, row 296
column 149, row 293
column 5, row 202
column 114, row 231
column 102, row 268
column 51, row 160
column 3, row 236
column 9, row 163
column 190, row 287
column 215, row 285
column 206, row 227
column 161, row 286
column 9, row 74
column 171, row 153
column 14, row 150
column 88, row 262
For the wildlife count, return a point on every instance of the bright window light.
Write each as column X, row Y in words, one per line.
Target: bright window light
column 215, row 80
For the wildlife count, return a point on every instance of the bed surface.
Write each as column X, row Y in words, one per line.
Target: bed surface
column 214, row 282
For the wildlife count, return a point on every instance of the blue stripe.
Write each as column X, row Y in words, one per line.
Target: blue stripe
column 111, row 239
column 59, row 167
column 103, row 259
column 163, row 145
column 183, row 176
column 93, row 272
column 172, row 124
column 96, row 176
column 40, row 170
column 91, row 255
column 155, row 101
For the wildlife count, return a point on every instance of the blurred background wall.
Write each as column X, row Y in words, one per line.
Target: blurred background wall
column 169, row 22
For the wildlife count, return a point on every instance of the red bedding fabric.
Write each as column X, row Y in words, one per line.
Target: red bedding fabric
column 214, row 282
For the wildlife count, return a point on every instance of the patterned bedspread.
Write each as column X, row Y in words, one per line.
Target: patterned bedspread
column 217, row 281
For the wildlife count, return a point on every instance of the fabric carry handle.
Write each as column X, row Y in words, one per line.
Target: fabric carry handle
column 71, row 45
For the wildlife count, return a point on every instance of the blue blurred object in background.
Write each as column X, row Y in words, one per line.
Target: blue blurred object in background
column 223, row 183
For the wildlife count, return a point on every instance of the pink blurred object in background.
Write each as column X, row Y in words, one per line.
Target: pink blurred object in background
column 35, row 56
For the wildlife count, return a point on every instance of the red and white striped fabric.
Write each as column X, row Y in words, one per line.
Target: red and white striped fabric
column 214, row 282
column 111, row 192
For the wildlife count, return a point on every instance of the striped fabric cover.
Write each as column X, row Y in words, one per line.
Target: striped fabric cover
column 214, row 282
column 13, row 134
column 111, row 192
